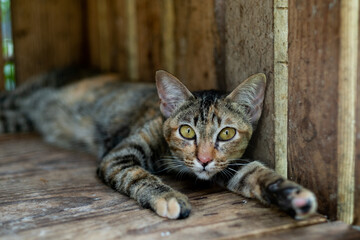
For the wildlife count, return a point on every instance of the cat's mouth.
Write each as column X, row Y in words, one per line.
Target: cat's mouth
column 204, row 173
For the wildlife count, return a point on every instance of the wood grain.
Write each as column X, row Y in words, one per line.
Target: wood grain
column 148, row 27
column 329, row 231
column 357, row 148
column 47, row 34
column 280, row 85
column 250, row 50
column 313, row 98
column 347, row 109
column 107, row 35
column 48, row 193
column 168, row 35
column 196, row 38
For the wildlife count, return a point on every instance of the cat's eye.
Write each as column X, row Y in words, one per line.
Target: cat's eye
column 226, row 134
column 187, row 132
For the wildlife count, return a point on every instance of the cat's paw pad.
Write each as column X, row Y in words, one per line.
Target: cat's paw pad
column 172, row 207
column 303, row 203
column 299, row 202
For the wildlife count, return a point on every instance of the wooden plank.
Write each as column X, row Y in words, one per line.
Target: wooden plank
column 47, row 34
column 357, row 148
column 347, row 109
column 249, row 50
column 328, row 231
column 220, row 43
column 196, row 37
column 281, row 85
column 107, row 25
column 47, row 192
column 148, row 27
column 132, row 40
column 313, row 98
column 168, row 35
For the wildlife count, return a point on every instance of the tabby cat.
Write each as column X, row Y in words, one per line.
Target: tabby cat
column 203, row 134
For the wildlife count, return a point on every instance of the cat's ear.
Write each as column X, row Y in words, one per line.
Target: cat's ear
column 250, row 93
column 172, row 92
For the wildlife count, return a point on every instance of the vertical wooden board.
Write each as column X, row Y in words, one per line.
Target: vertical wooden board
column 93, row 33
column 313, row 96
column 346, row 128
column 249, row 50
column 168, row 35
column 148, row 18
column 107, row 35
column 196, row 37
column 357, row 148
column 47, row 34
column 357, row 156
column 220, row 43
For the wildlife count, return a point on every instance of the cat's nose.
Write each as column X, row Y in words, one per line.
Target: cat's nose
column 204, row 160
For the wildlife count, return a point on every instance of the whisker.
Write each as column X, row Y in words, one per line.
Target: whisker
column 232, row 170
column 237, row 164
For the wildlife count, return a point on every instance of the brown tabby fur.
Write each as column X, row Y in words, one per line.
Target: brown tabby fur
column 134, row 138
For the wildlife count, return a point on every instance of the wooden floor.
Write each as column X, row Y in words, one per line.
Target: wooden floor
column 51, row 193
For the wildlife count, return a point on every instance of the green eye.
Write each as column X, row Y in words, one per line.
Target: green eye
column 226, row 134
column 187, row 132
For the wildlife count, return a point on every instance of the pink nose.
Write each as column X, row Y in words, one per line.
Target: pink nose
column 204, row 158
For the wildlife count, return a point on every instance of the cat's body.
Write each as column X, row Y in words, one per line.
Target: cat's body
column 201, row 134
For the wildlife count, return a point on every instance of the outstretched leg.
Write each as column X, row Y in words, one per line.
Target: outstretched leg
column 126, row 169
column 257, row 181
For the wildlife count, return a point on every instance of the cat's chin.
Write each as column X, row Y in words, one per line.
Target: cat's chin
column 204, row 175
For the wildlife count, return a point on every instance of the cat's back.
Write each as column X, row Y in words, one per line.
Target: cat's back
column 110, row 101
column 90, row 109
column 105, row 87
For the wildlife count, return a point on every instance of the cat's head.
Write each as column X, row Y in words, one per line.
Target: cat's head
column 208, row 130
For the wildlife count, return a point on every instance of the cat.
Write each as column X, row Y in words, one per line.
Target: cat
column 137, row 130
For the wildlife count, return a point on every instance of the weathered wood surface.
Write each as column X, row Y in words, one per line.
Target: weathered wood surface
column 47, row 34
column 196, row 38
column 136, row 38
column 347, row 109
column 357, row 148
column 313, row 98
column 106, row 24
column 281, row 70
column 48, row 193
column 249, row 50
column 148, row 27
column 328, row 231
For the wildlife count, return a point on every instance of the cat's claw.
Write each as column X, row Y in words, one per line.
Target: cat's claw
column 173, row 207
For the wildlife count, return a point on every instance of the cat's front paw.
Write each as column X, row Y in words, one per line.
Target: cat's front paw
column 172, row 205
column 299, row 202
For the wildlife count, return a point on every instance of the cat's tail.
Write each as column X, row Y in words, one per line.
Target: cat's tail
column 13, row 118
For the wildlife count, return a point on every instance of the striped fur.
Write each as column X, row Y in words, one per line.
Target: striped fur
column 135, row 139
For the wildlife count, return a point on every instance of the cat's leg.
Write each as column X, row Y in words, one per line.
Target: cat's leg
column 124, row 169
column 257, row 181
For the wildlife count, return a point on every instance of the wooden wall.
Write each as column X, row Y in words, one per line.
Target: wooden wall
column 47, row 34
column 215, row 44
column 136, row 38
column 250, row 49
column 357, row 147
column 323, row 56
column 313, row 82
